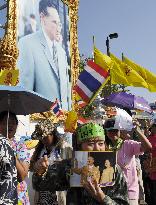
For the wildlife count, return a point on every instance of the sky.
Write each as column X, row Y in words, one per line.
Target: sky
column 133, row 20
column 2, row 18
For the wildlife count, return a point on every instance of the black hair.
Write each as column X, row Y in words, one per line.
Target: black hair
column 56, row 136
column 75, row 145
column 43, row 4
column 153, row 125
column 40, row 146
column 111, row 164
column 32, row 16
column 107, row 140
column 5, row 113
column 109, row 123
column 127, row 110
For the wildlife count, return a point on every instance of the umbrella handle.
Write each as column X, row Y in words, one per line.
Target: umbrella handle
column 8, row 113
column 7, row 124
column 9, row 101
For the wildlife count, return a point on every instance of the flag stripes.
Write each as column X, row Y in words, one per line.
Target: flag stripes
column 92, row 72
column 82, row 120
column 56, row 108
column 83, row 91
column 90, row 80
column 98, row 69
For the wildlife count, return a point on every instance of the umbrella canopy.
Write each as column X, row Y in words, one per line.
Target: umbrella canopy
column 126, row 100
column 20, row 101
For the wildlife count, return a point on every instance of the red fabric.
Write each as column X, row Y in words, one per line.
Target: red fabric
column 81, row 93
column 152, row 140
column 98, row 69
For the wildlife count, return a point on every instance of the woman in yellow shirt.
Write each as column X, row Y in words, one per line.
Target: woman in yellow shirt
column 108, row 173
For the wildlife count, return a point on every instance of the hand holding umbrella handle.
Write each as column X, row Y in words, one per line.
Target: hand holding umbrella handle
column 145, row 144
column 137, row 125
column 41, row 165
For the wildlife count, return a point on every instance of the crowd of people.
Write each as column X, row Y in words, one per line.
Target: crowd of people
column 51, row 163
column 131, row 181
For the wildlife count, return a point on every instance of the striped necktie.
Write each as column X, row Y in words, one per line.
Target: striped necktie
column 55, row 56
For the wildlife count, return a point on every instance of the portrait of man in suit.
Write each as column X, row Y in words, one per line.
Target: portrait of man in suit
column 42, row 59
column 89, row 171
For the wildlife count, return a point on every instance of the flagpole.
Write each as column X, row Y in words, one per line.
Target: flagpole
column 93, row 46
column 111, row 36
column 122, row 57
column 108, row 53
column 107, row 45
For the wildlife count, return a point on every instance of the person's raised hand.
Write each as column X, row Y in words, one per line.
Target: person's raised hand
column 136, row 124
column 45, row 161
column 94, row 189
column 42, row 165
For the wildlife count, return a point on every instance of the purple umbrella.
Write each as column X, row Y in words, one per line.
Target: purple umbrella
column 126, row 100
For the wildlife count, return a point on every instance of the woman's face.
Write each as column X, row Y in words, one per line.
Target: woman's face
column 48, row 140
column 94, row 145
column 12, row 126
column 107, row 163
column 113, row 134
column 90, row 161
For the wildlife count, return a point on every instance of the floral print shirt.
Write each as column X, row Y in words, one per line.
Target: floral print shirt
column 8, row 174
column 23, row 154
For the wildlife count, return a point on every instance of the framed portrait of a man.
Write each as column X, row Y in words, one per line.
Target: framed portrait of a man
column 43, row 43
column 91, row 166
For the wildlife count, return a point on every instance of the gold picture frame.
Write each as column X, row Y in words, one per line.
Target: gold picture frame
column 9, row 50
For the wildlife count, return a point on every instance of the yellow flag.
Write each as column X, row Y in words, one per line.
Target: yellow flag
column 148, row 76
column 71, row 121
column 101, row 59
column 9, row 77
column 121, row 73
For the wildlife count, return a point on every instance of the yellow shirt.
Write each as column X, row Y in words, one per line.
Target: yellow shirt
column 107, row 175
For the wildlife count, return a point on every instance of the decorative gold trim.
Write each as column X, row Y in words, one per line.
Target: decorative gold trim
column 8, row 48
column 9, row 51
column 73, row 6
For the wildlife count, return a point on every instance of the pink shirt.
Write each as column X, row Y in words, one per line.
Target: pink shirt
column 152, row 140
column 126, row 160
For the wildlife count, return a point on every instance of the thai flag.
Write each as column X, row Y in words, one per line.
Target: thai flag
column 81, row 103
column 82, row 121
column 56, row 108
column 90, row 80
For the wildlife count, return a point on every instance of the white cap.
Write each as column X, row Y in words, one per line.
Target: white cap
column 123, row 121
